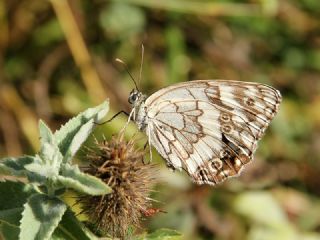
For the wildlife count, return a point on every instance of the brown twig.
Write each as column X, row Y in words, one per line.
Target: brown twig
column 79, row 50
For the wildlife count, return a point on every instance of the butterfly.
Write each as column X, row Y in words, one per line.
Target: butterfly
column 209, row 128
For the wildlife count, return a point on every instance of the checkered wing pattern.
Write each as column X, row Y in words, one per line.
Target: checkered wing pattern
column 210, row 128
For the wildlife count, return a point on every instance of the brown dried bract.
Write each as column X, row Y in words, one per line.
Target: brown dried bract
column 120, row 165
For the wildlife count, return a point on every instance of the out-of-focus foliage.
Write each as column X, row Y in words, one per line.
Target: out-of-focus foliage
column 57, row 58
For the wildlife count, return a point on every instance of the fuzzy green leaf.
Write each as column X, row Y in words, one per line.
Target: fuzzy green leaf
column 72, row 177
column 46, row 135
column 14, row 194
column 46, row 171
column 16, row 166
column 49, row 152
column 79, row 138
column 40, row 217
column 19, row 167
column 70, row 137
column 49, row 162
column 162, row 234
column 51, row 155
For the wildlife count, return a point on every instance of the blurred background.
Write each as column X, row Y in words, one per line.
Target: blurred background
column 57, row 59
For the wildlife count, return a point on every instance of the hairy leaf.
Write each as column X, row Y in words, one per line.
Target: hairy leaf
column 46, row 135
column 14, row 194
column 75, row 131
column 16, row 166
column 72, row 177
column 50, row 162
column 40, row 217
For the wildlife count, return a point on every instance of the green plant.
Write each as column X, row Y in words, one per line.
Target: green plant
column 30, row 197
column 32, row 209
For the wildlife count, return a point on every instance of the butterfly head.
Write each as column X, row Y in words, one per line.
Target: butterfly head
column 136, row 97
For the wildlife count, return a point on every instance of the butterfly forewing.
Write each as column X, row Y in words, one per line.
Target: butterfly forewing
column 210, row 128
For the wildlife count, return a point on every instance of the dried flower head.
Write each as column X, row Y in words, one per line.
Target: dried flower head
column 119, row 164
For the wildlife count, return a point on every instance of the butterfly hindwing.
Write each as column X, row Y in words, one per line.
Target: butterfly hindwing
column 210, row 128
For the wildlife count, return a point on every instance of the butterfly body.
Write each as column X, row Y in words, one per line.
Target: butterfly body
column 139, row 113
column 210, row 128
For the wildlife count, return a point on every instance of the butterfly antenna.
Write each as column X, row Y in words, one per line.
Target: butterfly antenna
column 141, row 64
column 127, row 69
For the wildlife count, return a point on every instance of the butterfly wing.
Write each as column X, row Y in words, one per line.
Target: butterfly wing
column 210, row 128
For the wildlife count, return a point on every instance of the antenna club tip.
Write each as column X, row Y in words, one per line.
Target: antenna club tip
column 119, row 60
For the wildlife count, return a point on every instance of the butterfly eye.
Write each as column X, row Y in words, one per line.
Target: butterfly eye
column 132, row 98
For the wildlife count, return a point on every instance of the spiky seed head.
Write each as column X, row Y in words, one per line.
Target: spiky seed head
column 120, row 165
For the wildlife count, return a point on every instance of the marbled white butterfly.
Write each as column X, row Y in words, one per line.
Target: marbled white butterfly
column 210, row 128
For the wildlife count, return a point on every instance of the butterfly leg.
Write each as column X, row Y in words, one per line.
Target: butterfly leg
column 150, row 150
column 113, row 117
column 148, row 143
column 145, row 145
column 144, row 158
column 121, row 133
